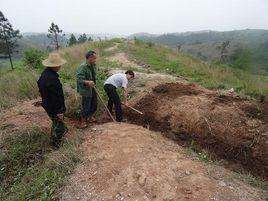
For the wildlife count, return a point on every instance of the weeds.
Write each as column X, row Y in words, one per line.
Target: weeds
column 253, row 181
column 31, row 169
column 17, row 85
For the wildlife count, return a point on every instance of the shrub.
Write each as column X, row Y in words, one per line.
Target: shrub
column 33, row 57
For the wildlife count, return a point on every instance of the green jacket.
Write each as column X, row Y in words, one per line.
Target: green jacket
column 84, row 73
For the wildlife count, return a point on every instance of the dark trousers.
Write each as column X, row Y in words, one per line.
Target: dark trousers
column 58, row 130
column 89, row 105
column 114, row 99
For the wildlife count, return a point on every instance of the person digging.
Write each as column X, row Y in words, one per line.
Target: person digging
column 119, row 80
column 86, row 82
column 51, row 92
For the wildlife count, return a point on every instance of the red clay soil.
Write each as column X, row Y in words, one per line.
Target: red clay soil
column 229, row 127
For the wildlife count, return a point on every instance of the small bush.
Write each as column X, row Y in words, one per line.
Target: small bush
column 33, row 57
column 150, row 44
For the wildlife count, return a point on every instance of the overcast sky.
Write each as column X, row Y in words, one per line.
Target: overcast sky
column 132, row 16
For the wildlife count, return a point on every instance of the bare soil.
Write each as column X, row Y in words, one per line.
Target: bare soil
column 128, row 162
column 229, row 127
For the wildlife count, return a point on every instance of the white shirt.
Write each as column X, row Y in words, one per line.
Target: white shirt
column 118, row 80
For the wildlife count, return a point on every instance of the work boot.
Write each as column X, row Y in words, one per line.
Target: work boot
column 83, row 124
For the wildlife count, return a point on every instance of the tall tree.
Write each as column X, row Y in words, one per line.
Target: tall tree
column 89, row 39
column 8, row 38
column 223, row 49
column 54, row 33
column 72, row 40
column 179, row 47
column 82, row 38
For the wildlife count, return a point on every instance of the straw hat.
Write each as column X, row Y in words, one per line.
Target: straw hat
column 53, row 60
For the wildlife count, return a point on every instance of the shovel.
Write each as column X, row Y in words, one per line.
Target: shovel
column 104, row 104
column 132, row 108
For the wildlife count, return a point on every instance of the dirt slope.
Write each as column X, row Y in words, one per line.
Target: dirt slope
column 127, row 162
column 25, row 115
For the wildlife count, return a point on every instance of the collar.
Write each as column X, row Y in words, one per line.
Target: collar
column 52, row 71
column 90, row 65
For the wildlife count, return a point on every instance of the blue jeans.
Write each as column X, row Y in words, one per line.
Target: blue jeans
column 89, row 105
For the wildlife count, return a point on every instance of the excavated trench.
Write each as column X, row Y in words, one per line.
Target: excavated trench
column 229, row 128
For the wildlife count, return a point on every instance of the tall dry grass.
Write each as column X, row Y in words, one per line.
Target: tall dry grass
column 16, row 86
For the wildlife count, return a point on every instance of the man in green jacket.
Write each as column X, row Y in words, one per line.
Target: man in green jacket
column 86, row 81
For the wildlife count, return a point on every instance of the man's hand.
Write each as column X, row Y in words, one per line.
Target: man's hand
column 90, row 83
column 125, row 103
column 60, row 116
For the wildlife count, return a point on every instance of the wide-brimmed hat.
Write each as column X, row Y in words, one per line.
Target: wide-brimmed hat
column 53, row 60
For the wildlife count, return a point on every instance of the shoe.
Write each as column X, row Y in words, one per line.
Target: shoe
column 121, row 120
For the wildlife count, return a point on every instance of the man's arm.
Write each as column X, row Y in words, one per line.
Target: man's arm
column 125, row 93
column 81, row 78
column 89, row 83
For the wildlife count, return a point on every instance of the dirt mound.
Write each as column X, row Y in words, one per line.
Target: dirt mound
column 127, row 162
column 230, row 127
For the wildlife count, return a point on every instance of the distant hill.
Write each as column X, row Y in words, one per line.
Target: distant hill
column 35, row 40
column 248, row 46
column 41, row 41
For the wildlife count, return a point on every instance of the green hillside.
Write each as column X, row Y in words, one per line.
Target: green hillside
column 204, row 45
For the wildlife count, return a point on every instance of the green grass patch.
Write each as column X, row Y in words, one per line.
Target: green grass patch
column 207, row 74
column 31, row 169
column 253, row 181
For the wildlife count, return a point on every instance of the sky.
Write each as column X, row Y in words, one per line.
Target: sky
column 134, row 16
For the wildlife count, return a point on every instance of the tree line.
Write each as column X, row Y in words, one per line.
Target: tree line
column 9, row 37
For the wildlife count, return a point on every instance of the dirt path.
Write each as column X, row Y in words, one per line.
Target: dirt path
column 122, row 59
column 110, row 49
column 127, row 162
column 145, row 82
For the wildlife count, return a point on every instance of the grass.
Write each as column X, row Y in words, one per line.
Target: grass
column 246, row 177
column 207, row 74
column 5, row 65
column 31, row 169
column 253, row 181
column 17, row 85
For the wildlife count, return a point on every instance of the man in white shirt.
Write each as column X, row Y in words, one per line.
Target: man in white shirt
column 118, row 80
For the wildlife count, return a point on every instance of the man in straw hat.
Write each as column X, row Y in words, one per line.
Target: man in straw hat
column 51, row 92
column 86, row 81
